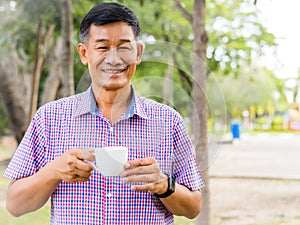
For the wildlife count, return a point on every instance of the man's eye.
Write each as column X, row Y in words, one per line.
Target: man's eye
column 124, row 48
column 102, row 48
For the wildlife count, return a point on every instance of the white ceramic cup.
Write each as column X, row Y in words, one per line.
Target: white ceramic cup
column 110, row 160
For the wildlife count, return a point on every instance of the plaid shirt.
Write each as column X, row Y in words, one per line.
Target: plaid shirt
column 148, row 129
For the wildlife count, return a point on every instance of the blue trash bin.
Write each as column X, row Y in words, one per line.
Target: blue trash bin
column 235, row 130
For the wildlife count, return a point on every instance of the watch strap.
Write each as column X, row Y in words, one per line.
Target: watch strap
column 170, row 190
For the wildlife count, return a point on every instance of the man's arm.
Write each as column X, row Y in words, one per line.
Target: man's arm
column 182, row 202
column 31, row 193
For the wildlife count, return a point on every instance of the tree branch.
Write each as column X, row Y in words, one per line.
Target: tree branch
column 185, row 13
column 48, row 40
column 36, row 73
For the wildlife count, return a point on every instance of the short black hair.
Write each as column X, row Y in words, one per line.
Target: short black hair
column 108, row 13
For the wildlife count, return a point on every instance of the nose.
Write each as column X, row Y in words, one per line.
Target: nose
column 112, row 57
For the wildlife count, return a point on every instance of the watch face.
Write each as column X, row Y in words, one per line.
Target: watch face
column 171, row 188
column 171, row 185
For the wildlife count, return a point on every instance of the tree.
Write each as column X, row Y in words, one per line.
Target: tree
column 15, row 77
column 12, row 95
column 237, row 37
column 42, row 47
column 28, row 58
column 230, row 46
column 249, row 89
column 197, row 20
column 67, row 50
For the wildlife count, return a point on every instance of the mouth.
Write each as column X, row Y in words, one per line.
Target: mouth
column 114, row 71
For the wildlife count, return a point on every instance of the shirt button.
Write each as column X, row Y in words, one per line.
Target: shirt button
column 109, row 195
column 111, row 129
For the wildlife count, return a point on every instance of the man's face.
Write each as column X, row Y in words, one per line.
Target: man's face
column 112, row 54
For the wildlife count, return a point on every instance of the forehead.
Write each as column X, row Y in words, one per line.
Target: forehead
column 111, row 32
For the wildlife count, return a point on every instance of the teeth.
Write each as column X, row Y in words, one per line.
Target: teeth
column 113, row 71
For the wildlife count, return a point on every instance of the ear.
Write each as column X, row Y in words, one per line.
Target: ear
column 140, row 50
column 82, row 51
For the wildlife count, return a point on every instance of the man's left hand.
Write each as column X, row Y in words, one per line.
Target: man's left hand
column 147, row 172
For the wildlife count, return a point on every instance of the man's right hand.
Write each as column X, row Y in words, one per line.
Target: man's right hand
column 30, row 193
column 71, row 167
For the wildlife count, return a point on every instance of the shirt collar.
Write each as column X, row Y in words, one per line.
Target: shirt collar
column 86, row 103
column 83, row 103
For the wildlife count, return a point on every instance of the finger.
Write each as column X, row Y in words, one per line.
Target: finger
column 83, row 166
column 73, row 172
column 152, row 169
column 77, row 167
column 145, row 178
column 87, row 154
column 145, row 187
column 140, row 162
column 82, row 174
column 75, row 154
column 78, row 179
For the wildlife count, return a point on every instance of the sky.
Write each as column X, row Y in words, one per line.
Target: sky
column 282, row 19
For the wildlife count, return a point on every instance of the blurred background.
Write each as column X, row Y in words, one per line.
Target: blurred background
column 247, row 138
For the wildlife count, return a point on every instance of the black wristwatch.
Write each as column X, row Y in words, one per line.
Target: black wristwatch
column 171, row 188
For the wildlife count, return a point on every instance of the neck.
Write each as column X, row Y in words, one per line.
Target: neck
column 113, row 103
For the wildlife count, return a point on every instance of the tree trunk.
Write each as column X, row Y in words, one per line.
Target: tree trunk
column 67, row 49
column 36, row 74
column 199, row 115
column 13, row 95
column 200, row 103
column 168, row 87
column 53, row 80
column 42, row 47
column 16, row 86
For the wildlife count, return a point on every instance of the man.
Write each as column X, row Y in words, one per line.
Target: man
column 160, row 178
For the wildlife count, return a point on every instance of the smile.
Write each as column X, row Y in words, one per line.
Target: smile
column 114, row 71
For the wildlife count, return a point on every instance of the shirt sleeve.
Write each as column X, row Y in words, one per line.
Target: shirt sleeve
column 30, row 154
column 185, row 168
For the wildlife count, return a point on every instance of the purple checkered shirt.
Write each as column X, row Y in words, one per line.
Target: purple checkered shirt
column 148, row 129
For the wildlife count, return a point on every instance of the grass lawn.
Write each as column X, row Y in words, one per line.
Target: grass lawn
column 37, row 218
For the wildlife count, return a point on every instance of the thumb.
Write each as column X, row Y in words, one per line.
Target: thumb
column 86, row 154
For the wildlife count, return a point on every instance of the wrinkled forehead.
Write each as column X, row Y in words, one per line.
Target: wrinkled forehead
column 118, row 31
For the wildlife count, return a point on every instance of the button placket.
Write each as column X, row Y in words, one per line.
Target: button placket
column 111, row 129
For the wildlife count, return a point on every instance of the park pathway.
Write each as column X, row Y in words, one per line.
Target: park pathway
column 269, row 156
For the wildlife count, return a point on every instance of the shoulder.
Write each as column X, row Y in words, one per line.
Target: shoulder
column 64, row 106
column 155, row 109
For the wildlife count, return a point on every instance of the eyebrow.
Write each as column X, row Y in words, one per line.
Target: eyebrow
column 106, row 40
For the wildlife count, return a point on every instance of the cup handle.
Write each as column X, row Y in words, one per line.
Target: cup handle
column 93, row 165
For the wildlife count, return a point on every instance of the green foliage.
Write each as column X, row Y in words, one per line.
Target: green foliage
column 230, row 44
column 235, row 34
column 3, row 122
column 160, row 21
column 277, row 123
column 25, row 23
column 240, row 93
